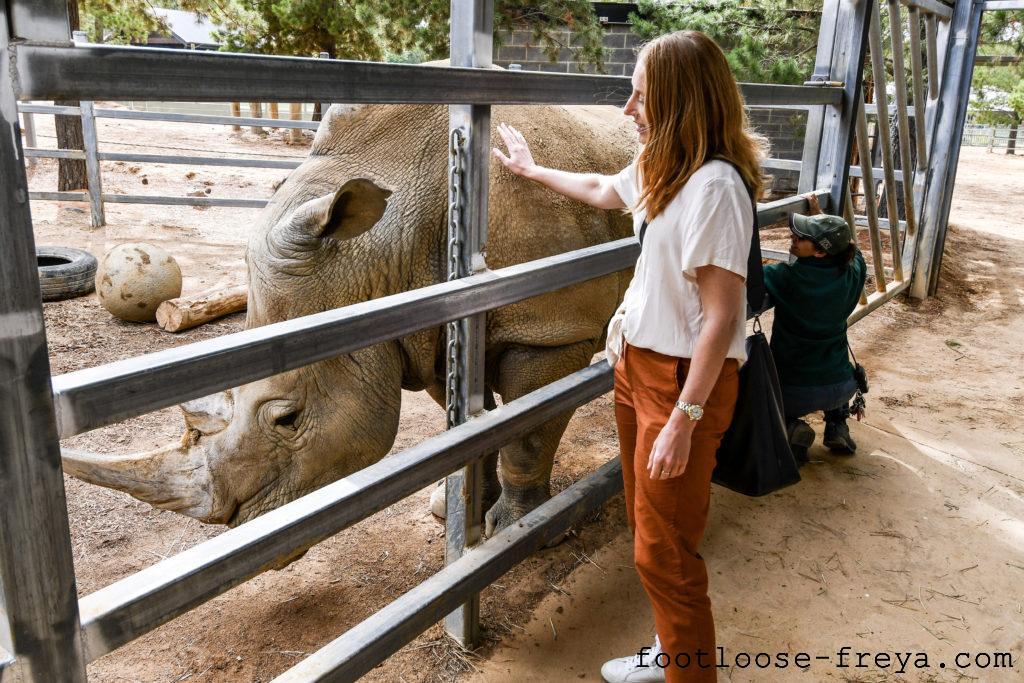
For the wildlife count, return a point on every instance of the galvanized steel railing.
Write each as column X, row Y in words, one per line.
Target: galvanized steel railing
column 48, row 635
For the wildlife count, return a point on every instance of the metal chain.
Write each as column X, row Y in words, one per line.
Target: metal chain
column 456, row 165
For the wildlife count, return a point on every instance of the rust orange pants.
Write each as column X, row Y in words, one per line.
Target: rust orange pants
column 668, row 516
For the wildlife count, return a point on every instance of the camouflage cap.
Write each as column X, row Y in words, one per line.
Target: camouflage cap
column 832, row 234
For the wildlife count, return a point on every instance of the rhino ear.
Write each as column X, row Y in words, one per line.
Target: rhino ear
column 352, row 210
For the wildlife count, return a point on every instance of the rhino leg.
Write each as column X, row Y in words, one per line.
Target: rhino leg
column 491, row 487
column 524, row 467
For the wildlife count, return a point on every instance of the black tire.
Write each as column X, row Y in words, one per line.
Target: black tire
column 65, row 273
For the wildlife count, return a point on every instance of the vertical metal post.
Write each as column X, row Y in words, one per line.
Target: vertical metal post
column 951, row 112
column 39, row 622
column 816, row 114
column 92, row 165
column 472, row 36
column 30, row 135
column 882, row 107
column 899, row 78
column 851, row 218
column 932, row 53
column 916, row 67
column 870, row 201
column 840, row 58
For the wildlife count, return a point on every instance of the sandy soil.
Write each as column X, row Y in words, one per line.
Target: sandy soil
column 914, row 544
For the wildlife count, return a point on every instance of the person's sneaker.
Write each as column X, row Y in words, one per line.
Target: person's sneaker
column 801, row 436
column 638, row 668
column 837, row 438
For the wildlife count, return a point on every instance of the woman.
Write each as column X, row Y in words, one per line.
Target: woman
column 676, row 380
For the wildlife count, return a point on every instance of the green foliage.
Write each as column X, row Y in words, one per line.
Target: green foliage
column 764, row 40
column 999, row 90
column 125, row 21
column 402, row 30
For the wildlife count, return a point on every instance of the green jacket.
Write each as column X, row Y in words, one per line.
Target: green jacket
column 813, row 297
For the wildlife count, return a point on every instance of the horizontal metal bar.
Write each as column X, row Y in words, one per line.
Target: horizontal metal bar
column 39, row 152
column 184, row 201
column 59, row 196
column 62, row 109
column 143, row 601
column 783, row 164
column 150, row 199
column 204, row 119
column 98, row 396
column 775, row 254
column 374, row 639
column 882, row 223
column 101, row 72
column 172, row 117
column 234, row 162
column 871, row 109
column 200, row 161
column 1004, row 5
column 795, row 164
column 998, row 60
column 877, row 299
column 773, row 212
column 876, row 172
column 936, row 7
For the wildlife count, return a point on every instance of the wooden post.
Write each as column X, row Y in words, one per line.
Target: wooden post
column 1011, row 139
column 295, row 134
column 256, row 112
column 870, row 202
column 274, row 113
column 236, row 111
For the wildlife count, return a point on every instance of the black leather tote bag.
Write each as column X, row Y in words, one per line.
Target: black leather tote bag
column 754, row 457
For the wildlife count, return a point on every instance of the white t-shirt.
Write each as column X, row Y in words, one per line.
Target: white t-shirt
column 708, row 222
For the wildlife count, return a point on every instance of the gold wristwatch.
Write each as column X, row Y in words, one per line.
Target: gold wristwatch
column 694, row 411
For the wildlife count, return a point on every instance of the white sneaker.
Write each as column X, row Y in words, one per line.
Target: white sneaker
column 638, row 668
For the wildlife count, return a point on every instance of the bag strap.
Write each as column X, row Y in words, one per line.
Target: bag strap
column 756, row 291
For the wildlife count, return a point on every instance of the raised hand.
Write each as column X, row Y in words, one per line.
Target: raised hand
column 519, row 159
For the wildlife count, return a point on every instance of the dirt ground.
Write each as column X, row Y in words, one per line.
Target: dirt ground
column 913, row 545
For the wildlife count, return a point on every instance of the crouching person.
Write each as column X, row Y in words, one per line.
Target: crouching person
column 813, row 297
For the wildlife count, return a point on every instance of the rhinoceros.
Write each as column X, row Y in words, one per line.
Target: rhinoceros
column 363, row 217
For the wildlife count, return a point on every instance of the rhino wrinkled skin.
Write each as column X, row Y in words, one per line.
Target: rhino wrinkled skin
column 363, row 217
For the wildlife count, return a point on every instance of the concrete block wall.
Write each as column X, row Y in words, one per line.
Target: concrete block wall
column 784, row 128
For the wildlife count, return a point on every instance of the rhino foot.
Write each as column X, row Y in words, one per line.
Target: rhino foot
column 438, row 499
column 514, row 504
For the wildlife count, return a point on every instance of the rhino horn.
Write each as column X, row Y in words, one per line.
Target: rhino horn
column 174, row 478
column 209, row 414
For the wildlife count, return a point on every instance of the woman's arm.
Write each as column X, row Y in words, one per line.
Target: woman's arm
column 721, row 292
column 590, row 188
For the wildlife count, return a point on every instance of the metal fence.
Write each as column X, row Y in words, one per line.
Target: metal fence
column 995, row 138
column 48, row 635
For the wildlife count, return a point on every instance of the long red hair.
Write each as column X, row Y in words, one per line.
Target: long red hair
column 694, row 112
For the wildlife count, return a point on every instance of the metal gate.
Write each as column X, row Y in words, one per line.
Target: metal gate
column 47, row 634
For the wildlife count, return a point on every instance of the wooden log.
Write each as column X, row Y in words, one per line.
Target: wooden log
column 186, row 312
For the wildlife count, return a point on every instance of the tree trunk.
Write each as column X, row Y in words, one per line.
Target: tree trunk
column 71, row 174
column 1011, row 140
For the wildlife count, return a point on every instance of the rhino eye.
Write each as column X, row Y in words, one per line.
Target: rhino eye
column 287, row 420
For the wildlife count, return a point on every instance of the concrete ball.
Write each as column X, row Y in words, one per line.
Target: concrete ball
column 134, row 278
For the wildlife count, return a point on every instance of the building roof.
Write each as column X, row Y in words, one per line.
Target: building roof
column 189, row 27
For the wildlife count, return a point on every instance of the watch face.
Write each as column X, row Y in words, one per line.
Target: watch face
column 695, row 412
